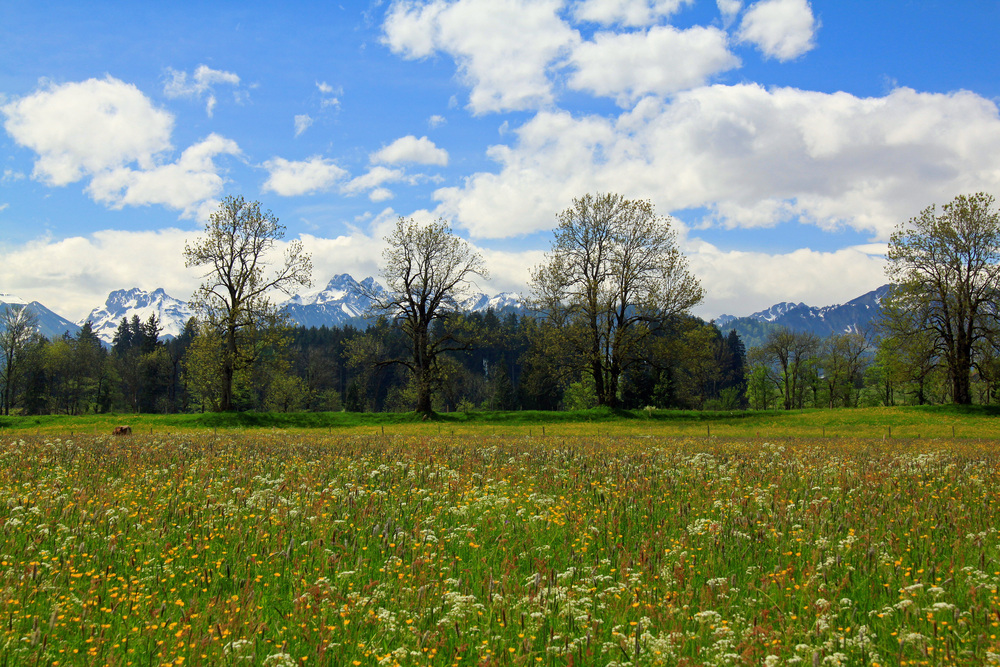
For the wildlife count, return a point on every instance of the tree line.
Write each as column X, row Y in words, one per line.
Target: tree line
column 690, row 365
column 610, row 325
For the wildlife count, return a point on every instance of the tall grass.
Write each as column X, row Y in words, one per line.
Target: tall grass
column 297, row 550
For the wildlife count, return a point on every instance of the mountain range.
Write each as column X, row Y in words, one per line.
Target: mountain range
column 857, row 315
column 339, row 303
column 342, row 302
column 171, row 313
column 50, row 324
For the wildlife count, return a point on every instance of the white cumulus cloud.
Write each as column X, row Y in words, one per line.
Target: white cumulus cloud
column 108, row 131
column 752, row 156
column 782, row 29
column 729, row 9
column 662, row 60
column 503, row 48
column 627, row 12
column 411, row 149
column 83, row 128
column 290, row 178
column 74, row 275
column 190, row 184
column 380, row 195
column 375, row 178
column 739, row 283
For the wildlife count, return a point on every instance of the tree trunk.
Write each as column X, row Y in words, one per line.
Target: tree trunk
column 226, row 400
column 961, row 387
column 424, row 403
column 598, row 372
column 228, row 369
column 612, row 386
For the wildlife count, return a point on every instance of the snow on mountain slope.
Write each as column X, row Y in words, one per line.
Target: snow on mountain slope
column 857, row 315
column 340, row 302
column 171, row 313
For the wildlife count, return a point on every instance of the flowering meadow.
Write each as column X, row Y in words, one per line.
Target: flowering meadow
column 276, row 549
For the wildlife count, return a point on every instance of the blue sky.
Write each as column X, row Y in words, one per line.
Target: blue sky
column 786, row 137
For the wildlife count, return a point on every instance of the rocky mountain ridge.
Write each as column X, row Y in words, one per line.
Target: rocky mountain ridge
column 171, row 313
column 857, row 315
column 340, row 302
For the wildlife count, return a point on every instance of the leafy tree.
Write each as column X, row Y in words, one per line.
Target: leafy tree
column 234, row 298
column 502, row 394
column 732, row 362
column 697, row 367
column 844, row 363
column 910, row 362
column 90, row 371
column 789, row 354
column 17, row 337
column 142, row 364
column 77, row 373
column 580, row 395
column 178, row 396
column 202, row 372
column 761, row 391
column 426, row 270
column 684, row 366
column 945, row 270
column 286, row 393
column 613, row 274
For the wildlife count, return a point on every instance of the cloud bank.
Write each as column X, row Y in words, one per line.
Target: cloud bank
column 754, row 157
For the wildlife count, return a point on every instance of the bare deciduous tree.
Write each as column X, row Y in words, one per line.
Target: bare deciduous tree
column 427, row 269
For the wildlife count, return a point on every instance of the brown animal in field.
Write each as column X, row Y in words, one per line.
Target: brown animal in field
column 122, row 430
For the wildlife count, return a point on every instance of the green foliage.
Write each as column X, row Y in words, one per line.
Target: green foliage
column 18, row 350
column 945, row 269
column 613, row 277
column 234, row 299
column 580, row 395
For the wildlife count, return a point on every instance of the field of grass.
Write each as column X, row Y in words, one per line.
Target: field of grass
column 279, row 549
column 896, row 422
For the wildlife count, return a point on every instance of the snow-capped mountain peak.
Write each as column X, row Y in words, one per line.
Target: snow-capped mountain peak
column 857, row 315
column 480, row 303
column 342, row 301
column 121, row 304
column 50, row 324
column 776, row 311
